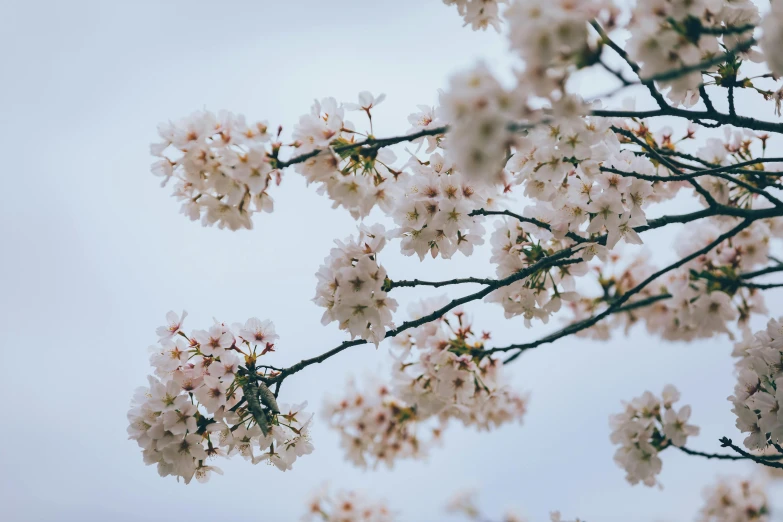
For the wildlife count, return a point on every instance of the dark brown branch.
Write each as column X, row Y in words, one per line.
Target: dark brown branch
column 536, row 222
column 558, row 259
column 666, row 163
column 732, row 29
column 726, row 442
column 635, row 305
column 696, row 116
column 369, row 143
column 688, row 177
column 763, row 271
column 657, row 96
column 724, row 457
column 735, row 168
column 437, row 284
column 714, row 172
column 587, row 323
column 710, row 455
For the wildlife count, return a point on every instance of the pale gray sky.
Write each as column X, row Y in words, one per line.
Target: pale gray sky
column 96, row 253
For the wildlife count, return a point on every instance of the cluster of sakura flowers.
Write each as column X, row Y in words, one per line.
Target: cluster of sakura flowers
column 699, row 300
column 553, row 37
column 732, row 500
column 567, row 171
column 356, row 179
column 480, row 111
column 479, row 14
column 376, row 427
column 205, row 400
column 224, row 166
column 351, row 286
column 221, row 167
column 670, row 35
column 648, row 425
column 704, row 296
column 346, row 506
column 435, row 217
column 440, row 373
column 536, row 296
column 758, row 394
column 575, row 173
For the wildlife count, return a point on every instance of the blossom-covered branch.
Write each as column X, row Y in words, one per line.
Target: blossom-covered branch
column 570, row 188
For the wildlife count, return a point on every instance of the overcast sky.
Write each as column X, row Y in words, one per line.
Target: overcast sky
column 95, row 254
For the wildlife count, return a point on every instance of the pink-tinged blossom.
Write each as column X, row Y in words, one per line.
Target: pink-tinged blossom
column 189, row 413
column 647, row 426
column 351, row 286
column 440, row 375
column 758, row 393
column 735, row 500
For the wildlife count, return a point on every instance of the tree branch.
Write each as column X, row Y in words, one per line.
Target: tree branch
column 556, row 259
column 437, row 284
column 369, row 143
column 725, row 457
column 657, row 96
column 726, row 442
column 587, row 323
column 540, row 224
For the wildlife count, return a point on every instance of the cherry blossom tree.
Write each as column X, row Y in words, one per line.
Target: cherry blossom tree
column 556, row 182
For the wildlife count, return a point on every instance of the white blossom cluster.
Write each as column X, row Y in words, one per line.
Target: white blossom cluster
column 355, row 181
column 561, row 169
column 706, row 296
column 667, row 35
column 732, row 500
column 758, row 393
column 346, row 506
column 551, row 36
column 538, row 295
column 648, row 425
column 221, row 167
column 434, row 216
column 735, row 144
column 204, row 402
column 351, row 286
column 480, row 112
column 375, row 427
column 479, row 14
column 441, row 370
column 441, row 374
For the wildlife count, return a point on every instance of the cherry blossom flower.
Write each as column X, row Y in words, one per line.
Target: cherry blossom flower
column 351, row 286
column 647, row 426
column 199, row 404
column 734, row 500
